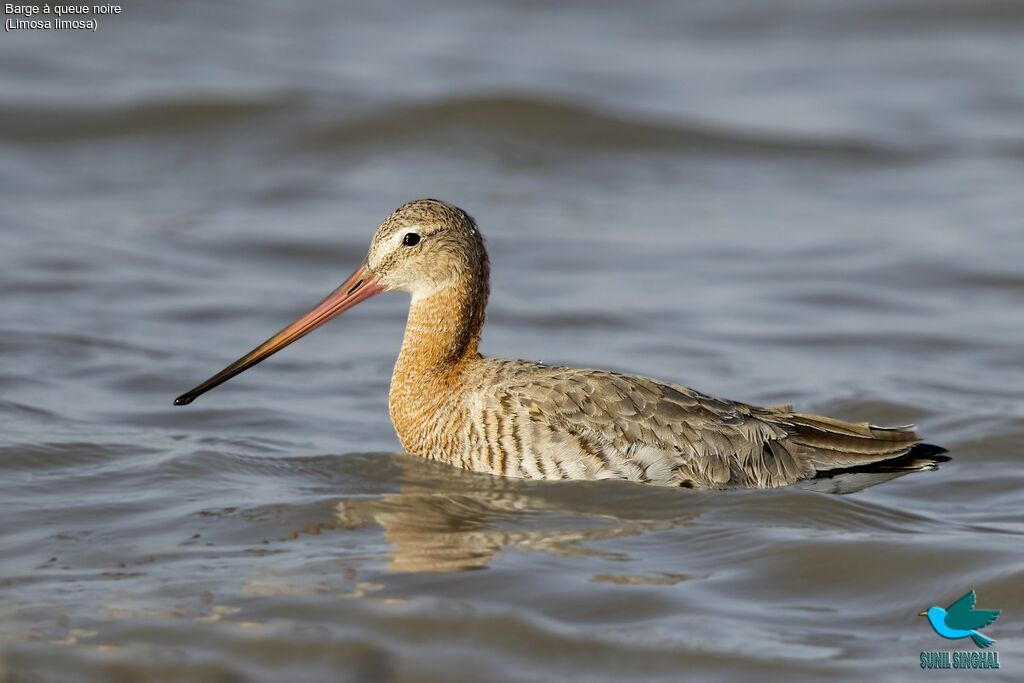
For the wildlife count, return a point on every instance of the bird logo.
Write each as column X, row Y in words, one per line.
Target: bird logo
column 961, row 620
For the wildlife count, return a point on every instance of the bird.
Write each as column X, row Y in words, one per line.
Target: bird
column 961, row 620
column 525, row 419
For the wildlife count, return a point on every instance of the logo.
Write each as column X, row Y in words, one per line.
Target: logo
column 959, row 621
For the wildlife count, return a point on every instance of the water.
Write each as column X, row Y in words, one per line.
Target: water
column 801, row 202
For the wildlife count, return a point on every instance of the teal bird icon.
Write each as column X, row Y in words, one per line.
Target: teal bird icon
column 960, row 620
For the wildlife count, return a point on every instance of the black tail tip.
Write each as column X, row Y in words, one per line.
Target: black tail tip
column 928, row 450
column 922, row 457
column 184, row 399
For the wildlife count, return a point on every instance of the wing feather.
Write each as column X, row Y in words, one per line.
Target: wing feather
column 709, row 441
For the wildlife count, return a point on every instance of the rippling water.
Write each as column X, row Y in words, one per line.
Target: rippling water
column 794, row 202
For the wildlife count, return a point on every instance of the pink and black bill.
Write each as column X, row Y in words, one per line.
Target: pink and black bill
column 360, row 286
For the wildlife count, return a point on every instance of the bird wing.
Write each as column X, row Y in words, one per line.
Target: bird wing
column 701, row 440
column 962, row 615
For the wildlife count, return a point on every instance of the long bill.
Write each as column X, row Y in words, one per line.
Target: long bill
column 360, row 286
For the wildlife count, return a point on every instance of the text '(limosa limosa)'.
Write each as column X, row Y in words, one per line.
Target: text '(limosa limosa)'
column 522, row 419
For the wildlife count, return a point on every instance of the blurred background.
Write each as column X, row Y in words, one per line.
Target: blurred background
column 796, row 201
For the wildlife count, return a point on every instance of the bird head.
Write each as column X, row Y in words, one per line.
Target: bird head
column 426, row 245
column 422, row 247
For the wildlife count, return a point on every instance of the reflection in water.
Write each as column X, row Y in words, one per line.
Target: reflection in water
column 445, row 519
column 431, row 528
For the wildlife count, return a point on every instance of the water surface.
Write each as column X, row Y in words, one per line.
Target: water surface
column 796, row 203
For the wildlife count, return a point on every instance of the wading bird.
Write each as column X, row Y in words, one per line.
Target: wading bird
column 523, row 419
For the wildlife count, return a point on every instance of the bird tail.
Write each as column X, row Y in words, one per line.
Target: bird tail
column 981, row 640
column 848, row 456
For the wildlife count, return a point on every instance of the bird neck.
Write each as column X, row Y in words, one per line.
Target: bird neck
column 444, row 327
column 441, row 339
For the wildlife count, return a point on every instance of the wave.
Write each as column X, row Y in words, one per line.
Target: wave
column 485, row 120
column 525, row 119
column 41, row 123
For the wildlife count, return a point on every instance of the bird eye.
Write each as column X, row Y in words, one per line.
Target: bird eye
column 411, row 239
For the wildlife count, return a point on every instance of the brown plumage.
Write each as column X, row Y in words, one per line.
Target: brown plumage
column 524, row 419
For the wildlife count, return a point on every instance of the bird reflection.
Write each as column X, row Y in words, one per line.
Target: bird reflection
column 441, row 520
